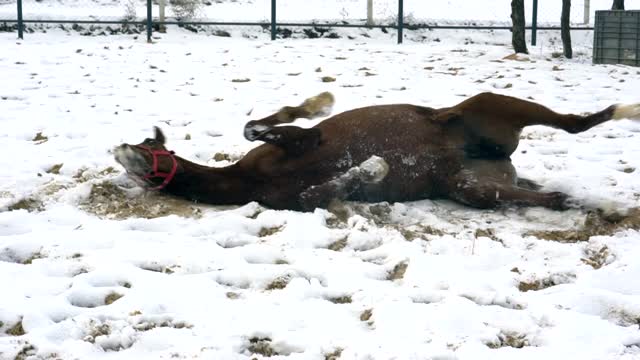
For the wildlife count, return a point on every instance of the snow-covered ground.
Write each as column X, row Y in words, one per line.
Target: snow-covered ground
column 92, row 268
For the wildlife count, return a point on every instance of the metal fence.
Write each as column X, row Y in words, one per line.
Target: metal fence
column 398, row 18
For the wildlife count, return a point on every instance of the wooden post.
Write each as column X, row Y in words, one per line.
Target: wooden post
column 565, row 29
column 162, row 4
column 587, row 11
column 534, row 23
column 273, row 19
column 400, row 20
column 20, row 23
column 149, row 21
column 369, row 12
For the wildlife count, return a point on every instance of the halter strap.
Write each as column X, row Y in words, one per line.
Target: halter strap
column 158, row 174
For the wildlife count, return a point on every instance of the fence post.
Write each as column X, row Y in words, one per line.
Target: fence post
column 20, row 23
column 149, row 21
column 400, row 20
column 273, row 19
column 587, row 11
column 162, row 4
column 534, row 23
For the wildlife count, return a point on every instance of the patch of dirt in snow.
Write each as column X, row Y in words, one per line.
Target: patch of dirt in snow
column 118, row 335
column 338, row 245
column 30, row 204
column 24, row 258
column 279, row 283
column 334, row 355
column 26, row 352
column 108, row 200
column 509, row 339
column 624, row 317
column 261, row 346
column 145, row 324
column 160, row 268
column 596, row 223
column 398, row 271
column 380, row 214
column 266, row 347
column 547, row 282
column 16, row 329
column 111, row 298
column 345, row 299
column 268, row 231
column 84, row 174
column 597, row 257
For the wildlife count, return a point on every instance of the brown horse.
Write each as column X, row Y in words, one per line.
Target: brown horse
column 390, row 153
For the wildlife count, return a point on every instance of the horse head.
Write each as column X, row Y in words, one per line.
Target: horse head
column 149, row 163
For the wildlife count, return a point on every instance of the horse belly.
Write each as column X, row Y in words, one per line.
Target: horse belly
column 410, row 177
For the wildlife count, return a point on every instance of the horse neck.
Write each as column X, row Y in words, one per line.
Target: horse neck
column 225, row 185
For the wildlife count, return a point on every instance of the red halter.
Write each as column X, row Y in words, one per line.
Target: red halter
column 154, row 172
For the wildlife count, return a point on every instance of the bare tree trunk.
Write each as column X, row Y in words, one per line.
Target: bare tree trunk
column 617, row 5
column 565, row 28
column 517, row 31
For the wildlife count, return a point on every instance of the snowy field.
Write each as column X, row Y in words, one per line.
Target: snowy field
column 93, row 268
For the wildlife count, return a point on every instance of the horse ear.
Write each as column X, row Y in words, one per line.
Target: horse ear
column 159, row 136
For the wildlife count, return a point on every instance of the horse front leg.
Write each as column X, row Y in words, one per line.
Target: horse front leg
column 370, row 171
column 313, row 107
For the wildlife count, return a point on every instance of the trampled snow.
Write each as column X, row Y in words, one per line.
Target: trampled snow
column 91, row 267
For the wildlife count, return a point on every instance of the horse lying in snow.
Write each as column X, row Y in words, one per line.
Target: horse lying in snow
column 389, row 153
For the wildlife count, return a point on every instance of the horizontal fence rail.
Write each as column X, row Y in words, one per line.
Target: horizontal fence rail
column 149, row 23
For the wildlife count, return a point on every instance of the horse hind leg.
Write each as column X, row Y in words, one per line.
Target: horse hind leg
column 487, row 107
column 492, row 121
column 528, row 184
column 487, row 184
column 370, row 171
column 489, row 195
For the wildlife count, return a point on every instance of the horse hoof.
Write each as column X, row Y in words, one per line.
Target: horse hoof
column 254, row 131
column 319, row 105
column 630, row 111
column 374, row 169
column 559, row 201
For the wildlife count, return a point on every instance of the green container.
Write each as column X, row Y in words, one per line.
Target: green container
column 616, row 38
